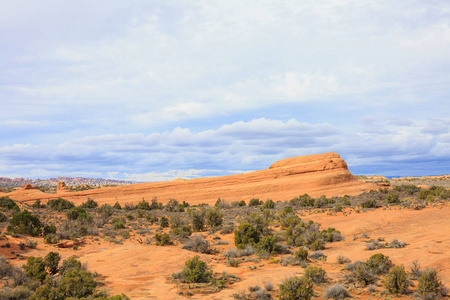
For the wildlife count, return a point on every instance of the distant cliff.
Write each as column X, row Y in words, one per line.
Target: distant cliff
column 70, row 181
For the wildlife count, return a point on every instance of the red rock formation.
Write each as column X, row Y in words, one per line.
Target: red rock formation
column 320, row 174
column 61, row 187
column 27, row 186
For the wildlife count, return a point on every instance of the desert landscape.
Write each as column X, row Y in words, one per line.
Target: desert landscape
column 303, row 228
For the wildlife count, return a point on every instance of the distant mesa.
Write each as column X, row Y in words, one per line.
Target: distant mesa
column 319, row 174
column 61, row 187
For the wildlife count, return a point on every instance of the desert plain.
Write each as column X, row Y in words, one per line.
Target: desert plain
column 372, row 215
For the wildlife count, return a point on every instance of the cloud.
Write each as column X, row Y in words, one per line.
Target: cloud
column 150, row 86
column 231, row 148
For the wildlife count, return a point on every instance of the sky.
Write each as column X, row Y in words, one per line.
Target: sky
column 157, row 90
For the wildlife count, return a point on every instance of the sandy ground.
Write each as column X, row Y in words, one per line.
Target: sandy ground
column 141, row 270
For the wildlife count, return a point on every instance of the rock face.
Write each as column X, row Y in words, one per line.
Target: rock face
column 27, row 186
column 61, row 187
column 317, row 175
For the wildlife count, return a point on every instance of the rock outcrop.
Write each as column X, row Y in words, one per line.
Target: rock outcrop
column 321, row 174
column 61, row 187
column 27, row 186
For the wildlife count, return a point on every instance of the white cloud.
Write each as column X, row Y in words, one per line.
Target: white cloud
column 137, row 83
column 242, row 146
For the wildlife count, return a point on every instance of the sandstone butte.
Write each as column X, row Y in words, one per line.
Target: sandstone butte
column 319, row 174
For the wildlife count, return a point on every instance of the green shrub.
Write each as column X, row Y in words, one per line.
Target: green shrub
column 301, row 254
column 76, row 213
column 3, row 217
column 196, row 270
column 35, row 268
column 77, row 284
column 392, row 198
column 246, row 234
column 119, row 225
column 268, row 244
column 90, row 203
column 164, row 222
column 242, row 203
column 379, row 263
column 117, row 205
column 129, row 206
column 318, row 244
column 409, row 189
column 143, row 205
column 331, row 235
column 429, row 283
column 316, row 274
column 302, row 201
column 25, row 223
column 49, row 229
column 183, row 231
column 364, row 275
column 197, row 219
column 255, row 202
column 370, row 203
column 259, row 221
column 295, row 288
column 70, row 264
column 51, row 262
column 60, row 204
column 7, row 203
column 269, row 204
column 214, row 217
column 162, row 239
column 105, row 211
column 396, row 281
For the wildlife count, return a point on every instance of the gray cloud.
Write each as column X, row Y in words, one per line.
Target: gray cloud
column 239, row 146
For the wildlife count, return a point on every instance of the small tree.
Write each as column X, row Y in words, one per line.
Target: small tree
column 25, row 223
column 76, row 213
column 162, row 239
column 196, row 270
column 60, row 204
column 164, row 221
column 396, row 281
column 214, row 217
column 268, row 244
column 379, row 263
column 197, row 219
column 316, row 274
column 144, row 205
column 3, row 217
column 295, row 288
column 90, row 203
column 117, row 205
column 7, row 203
column 301, row 254
column 246, row 234
column 255, row 202
column 269, row 204
column 429, row 283
column 77, row 284
column 35, row 268
column 51, row 262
